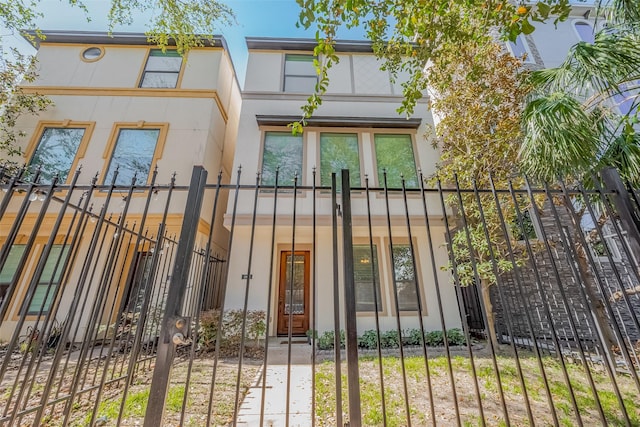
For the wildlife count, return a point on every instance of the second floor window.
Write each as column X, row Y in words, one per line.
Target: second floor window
column 283, row 152
column 56, row 152
column 162, row 69
column 339, row 151
column 299, row 74
column 133, row 155
column 520, row 49
column 394, row 154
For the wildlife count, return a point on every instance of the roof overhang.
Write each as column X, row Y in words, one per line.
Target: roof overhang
column 115, row 38
column 351, row 122
column 270, row 43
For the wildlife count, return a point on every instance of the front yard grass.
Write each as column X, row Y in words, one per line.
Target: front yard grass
column 418, row 392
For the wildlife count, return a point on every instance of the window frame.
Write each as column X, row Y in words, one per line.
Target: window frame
column 525, row 44
column 54, row 285
column 143, row 70
column 340, row 131
column 412, row 135
column 576, row 22
column 378, row 244
column 113, row 139
column 404, row 241
column 38, row 132
column 285, row 75
column 263, row 139
column 96, row 59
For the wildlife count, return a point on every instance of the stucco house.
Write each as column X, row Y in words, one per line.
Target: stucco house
column 119, row 104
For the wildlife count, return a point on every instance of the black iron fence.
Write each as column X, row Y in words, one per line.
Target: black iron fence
column 244, row 304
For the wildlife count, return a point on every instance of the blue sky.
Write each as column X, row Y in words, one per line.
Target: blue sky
column 268, row 18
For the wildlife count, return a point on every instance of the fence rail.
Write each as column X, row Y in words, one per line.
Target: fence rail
column 244, row 304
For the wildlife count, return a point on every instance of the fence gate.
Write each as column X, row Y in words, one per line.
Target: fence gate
column 263, row 301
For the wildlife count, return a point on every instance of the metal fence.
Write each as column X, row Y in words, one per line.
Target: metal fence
column 246, row 304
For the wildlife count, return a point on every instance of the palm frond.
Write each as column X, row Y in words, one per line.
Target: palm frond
column 561, row 139
column 624, row 154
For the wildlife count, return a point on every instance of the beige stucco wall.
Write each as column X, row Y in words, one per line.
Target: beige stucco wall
column 322, row 276
column 201, row 117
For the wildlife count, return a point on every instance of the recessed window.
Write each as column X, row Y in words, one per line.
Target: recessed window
column 404, row 275
column 584, row 31
column 394, row 154
column 10, row 268
column 92, row 54
column 300, row 74
column 162, row 69
column 339, row 151
column 132, row 156
column 367, row 279
column 520, row 49
column 56, row 152
column 282, row 152
column 49, row 280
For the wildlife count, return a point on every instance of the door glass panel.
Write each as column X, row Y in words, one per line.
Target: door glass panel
column 297, row 297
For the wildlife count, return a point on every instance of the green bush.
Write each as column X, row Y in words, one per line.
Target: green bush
column 255, row 328
column 456, row 337
column 414, row 337
column 368, row 340
column 326, row 340
column 434, row 338
column 390, row 339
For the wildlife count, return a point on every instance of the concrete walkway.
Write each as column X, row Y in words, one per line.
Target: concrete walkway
column 275, row 413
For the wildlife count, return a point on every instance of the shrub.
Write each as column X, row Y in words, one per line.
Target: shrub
column 414, row 337
column 390, row 339
column 456, row 337
column 434, row 338
column 368, row 340
column 326, row 340
column 232, row 320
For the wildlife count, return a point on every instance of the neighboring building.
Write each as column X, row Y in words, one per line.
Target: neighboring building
column 357, row 127
column 119, row 102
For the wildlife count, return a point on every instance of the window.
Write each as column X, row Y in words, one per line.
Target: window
column 162, row 69
column 282, row 151
column 394, row 153
column 49, row 280
column 584, row 31
column 92, row 54
column 300, row 74
column 8, row 271
column 134, row 152
column 404, row 276
column 56, row 152
column 520, row 49
column 626, row 99
column 339, row 151
column 367, row 279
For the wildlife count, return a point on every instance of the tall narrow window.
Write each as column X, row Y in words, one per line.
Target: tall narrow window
column 8, row 271
column 300, row 74
column 520, row 49
column 394, row 153
column 162, row 69
column 133, row 155
column 367, row 280
column 283, row 152
column 405, row 277
column 339, row 151
column 49, row 280
column 56, row 152
column 584, row 31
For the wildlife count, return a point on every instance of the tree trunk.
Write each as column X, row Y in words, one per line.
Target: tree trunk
column 485, row 291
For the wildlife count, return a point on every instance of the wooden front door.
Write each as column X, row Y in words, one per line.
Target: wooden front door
column 293, row 294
